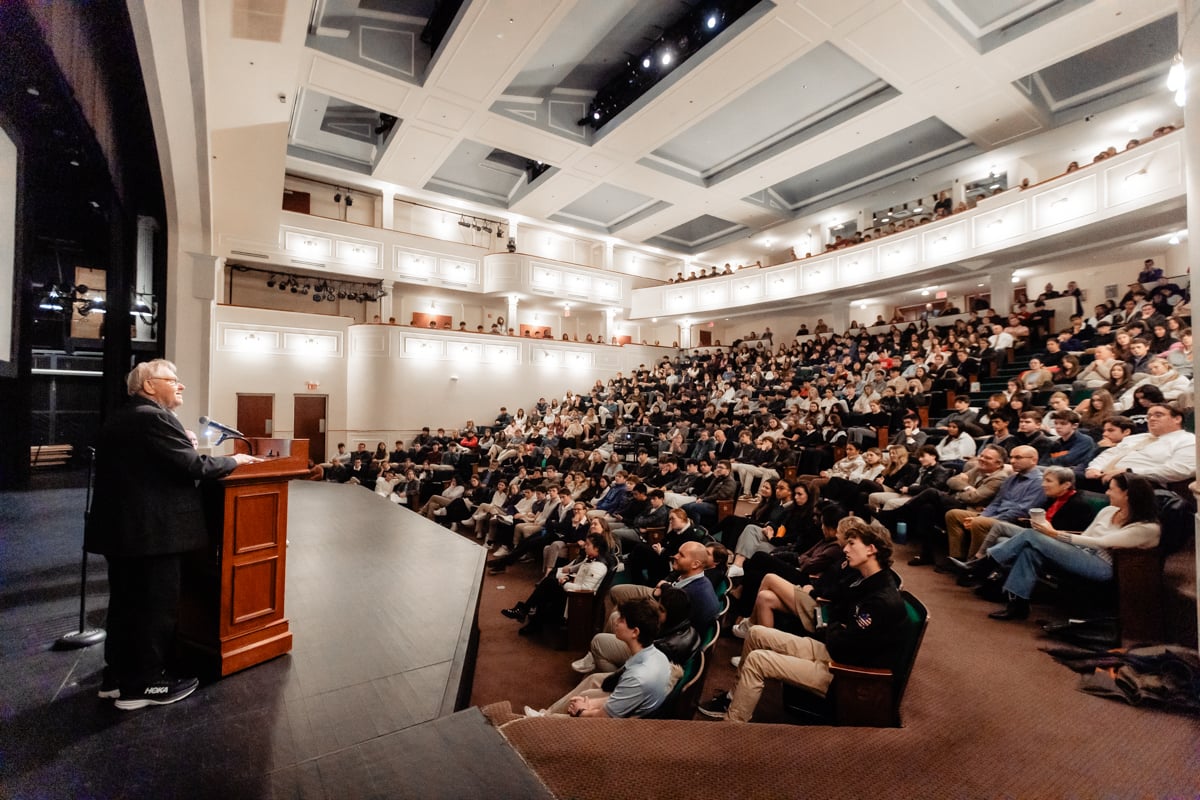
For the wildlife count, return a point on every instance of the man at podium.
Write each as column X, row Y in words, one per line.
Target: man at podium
column 146, row 513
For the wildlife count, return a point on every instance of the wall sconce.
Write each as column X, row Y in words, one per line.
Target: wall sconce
column 312, row 385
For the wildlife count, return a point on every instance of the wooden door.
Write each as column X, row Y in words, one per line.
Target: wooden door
column 310, row 423
column 256, row 415
column 705, row 338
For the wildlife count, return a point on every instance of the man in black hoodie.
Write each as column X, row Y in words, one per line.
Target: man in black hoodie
column 865, row 628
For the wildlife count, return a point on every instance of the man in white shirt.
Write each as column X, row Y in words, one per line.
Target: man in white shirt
column 1000, row 340
column 1166, row 454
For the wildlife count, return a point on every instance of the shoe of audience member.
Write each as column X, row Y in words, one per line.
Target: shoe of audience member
column 501, row 552
column 735, row 571
column 585, row 665
column 525, row 559
column 1017, row 608
column 746, row 497
column 963, row 567
column 161, row 692
column 718, row 707
column 736, row 661
column 966, row 580
column 518, row 612
column 992, row 588
column 741, row 629
column 756, row 499
column 919, row 561
column 530, row 628
column 479, row 534
column 109, row 688
column 439, row 512
column 533, row 712
column 496, row 567
column 454, row 527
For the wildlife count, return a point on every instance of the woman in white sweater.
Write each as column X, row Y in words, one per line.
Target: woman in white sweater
column 1130, row 521
column 958, row 445
column 1169, row 382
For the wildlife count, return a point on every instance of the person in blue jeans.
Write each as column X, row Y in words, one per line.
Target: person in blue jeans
column 1130, row 521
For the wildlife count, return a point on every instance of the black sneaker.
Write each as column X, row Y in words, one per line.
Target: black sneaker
column 718, row 707
column 160, row 693
column 109, row 688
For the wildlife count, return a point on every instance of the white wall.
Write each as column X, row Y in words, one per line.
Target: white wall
column 387, row 381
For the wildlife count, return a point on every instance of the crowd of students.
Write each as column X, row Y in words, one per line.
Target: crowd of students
column 807, row 433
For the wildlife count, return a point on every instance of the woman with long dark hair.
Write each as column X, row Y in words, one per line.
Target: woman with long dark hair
column 1130, row 521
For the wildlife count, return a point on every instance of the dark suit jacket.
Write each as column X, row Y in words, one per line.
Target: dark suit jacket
column 146, row 501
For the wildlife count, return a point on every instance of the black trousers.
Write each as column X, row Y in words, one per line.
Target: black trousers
column 143, row 607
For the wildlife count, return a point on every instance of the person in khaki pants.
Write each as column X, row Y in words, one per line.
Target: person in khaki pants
column 865, row 628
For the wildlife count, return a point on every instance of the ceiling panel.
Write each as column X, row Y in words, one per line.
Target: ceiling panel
column 913, row 145
column 821, row 84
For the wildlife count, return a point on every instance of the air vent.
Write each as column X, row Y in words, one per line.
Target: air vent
column 248, row 254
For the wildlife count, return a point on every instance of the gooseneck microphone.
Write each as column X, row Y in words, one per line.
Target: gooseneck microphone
column 205, row 422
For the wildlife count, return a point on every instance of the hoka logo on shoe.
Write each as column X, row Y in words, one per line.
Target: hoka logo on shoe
column 156, row 690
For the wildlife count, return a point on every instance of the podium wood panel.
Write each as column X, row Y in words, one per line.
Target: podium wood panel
column 233, row 614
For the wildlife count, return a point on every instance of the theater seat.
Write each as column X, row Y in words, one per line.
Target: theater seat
column 861, row 696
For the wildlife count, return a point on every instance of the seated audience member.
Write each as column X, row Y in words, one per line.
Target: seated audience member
column 450, row 492
column 647, row 563
column 1130, row 521
column 689, row 563
column 1113, row 432
column 654, row 515
column 1160, row 375
column 1020, row 492
column 548, row 599
column 956, row 446
column 911, row 436
column 518, row 507
column 770, row 525
column 484, row 511
column 798, row 568
column 1165, row 454
column 1065, row 507
column 866, row 617
column 971, row 490
column 930, row 475
column 1030, row 433
column 677, row 639
column 723, row 487
column 639, row 687
column 1072, row 447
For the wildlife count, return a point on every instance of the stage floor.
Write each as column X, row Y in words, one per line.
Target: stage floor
column 382, row 606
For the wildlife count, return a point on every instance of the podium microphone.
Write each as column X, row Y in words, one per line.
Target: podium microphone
column 226, row 432
column 205, row 422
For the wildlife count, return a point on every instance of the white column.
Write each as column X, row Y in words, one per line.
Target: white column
column 1002, row 290
column 386, row 303
column 511, row 318
column 609, row 253
column 190, row 332
column 388, row 217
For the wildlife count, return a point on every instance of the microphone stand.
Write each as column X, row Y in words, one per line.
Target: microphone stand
column 84, row 636
column 226, row 436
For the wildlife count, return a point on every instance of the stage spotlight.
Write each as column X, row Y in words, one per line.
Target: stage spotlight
column 317, row 297
column 711, row 21
column 646, row 62
column 596, row 115
column 294, row 287
column 337, row 197
column 271, row 282
column 349, row 200
column 665, row 58
column 305, row 289
column 341, row 294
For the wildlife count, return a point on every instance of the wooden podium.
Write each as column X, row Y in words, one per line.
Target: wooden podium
column 232, row 613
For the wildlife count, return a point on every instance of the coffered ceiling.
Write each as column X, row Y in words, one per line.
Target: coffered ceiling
column 791, row 111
